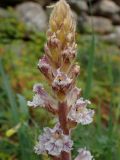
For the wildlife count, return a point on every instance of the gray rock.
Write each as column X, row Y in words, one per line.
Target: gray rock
column 101, row 25
column 116, row 19
column 113, row 38
column 33, row 15
column 79, row 6
column 117, row 30
column 106, row 8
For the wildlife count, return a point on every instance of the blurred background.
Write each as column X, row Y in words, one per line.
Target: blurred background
column 22, row 36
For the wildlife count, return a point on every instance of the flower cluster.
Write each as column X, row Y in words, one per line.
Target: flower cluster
column 53, row 141
column 65, row 102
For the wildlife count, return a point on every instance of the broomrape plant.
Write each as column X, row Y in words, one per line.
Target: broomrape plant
column 60, row 70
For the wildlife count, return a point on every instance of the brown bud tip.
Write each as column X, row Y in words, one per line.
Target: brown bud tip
column 62, row 17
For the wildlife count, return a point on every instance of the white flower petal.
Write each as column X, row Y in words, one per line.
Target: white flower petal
column 84, row 155
column 39, row 148
column 37, row 101
column 54, row 147
column 62, row 81
column 73, row 95
column 67, row 144
column 41, row 98
column 53, row 141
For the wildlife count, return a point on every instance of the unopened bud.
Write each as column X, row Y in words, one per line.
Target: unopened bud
column 61, row 17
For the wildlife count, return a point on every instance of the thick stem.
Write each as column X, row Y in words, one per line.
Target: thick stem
column 55, row 158
column 62, row 112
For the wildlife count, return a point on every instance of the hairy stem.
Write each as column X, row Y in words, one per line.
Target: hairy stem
column 62, row 112
column 55, row 158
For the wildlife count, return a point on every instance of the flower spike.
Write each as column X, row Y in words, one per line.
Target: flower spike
column 65, row 102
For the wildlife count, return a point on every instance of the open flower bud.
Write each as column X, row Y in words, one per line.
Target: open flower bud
column 80, row 113
column 61, row 84
column 46, row 68
column 73, row 96
column 74, row 71
column 42, row 99
column 68, row 54
column 54, row 46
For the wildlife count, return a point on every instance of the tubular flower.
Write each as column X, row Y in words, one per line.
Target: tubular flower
column 80, row 113
column 42, row 99
column 73, row 96
column 61, row 84
column 53, row 141
column 45, row 67
column 84, row 155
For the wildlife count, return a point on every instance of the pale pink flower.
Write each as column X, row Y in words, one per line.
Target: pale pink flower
column 84, row 155
column 53, row 41
column 80, row 113
column 67, row 144
column 45, row 67
column 53, row 141
column 61, row 82
column 39, row 149
column 54, row 146
column 73, row 96
column 41, row 98
column 74, row 71
column 37, row 101
column 69, row 53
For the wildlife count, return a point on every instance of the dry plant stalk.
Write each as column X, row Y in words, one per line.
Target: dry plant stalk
column 60, row 70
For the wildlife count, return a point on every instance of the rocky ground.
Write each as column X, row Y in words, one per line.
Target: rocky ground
column 103, row 15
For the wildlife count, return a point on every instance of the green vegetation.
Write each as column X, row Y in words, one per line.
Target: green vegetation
column 20, row 49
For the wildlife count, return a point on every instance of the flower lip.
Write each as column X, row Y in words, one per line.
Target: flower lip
column 61, row 81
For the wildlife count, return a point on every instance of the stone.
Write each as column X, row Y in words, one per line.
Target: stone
column 82, row 23
column 117, row 30
column 106, row 8
column 33, row 15
column 101, row 25
column 79, row 6
column 113, row 38
column 116, row 19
